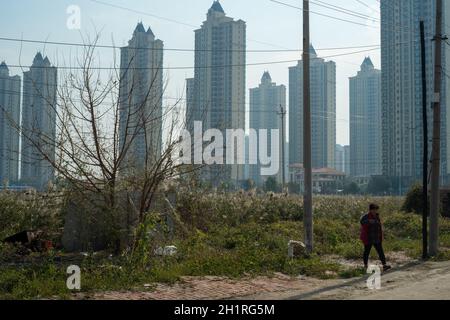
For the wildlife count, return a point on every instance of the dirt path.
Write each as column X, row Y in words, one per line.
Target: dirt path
column 430, row 280
column 408, row 280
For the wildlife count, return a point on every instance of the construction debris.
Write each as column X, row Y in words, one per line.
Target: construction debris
column 296, row 249
column 32, row 240
column 166, row 251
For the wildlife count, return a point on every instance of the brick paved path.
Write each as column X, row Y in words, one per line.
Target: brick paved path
column 216, row 288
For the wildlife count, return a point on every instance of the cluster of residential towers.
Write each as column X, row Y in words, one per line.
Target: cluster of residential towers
column 385, row 105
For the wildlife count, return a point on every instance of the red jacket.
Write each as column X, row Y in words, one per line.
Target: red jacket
column 371, row 229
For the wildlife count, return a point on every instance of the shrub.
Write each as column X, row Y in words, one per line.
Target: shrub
column 414, row 200
column 352, row 188
column 20, row 212
column 378, row 185
column 402, row 225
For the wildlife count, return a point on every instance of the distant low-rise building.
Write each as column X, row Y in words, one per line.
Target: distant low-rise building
column 325, row 180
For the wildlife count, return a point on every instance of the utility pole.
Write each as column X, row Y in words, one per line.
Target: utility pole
column 283, row 142
column 425, row 145
column 436, row 152
column 307, row 165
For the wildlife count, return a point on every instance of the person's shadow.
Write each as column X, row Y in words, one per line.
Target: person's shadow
column 364, row 278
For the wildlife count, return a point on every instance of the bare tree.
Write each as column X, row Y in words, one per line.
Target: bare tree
column 109, row 139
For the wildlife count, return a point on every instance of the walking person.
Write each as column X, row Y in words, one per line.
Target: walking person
column 372, row 235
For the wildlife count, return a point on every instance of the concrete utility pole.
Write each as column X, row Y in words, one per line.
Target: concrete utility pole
column 436, row 152
column 425, row 145
column 307, row 161
column 283, row 142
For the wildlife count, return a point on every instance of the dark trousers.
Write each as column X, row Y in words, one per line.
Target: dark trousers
column 380, row 251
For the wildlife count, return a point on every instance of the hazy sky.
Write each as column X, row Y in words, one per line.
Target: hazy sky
column 270, row 26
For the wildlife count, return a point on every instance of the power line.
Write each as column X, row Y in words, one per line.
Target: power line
column 398, row 27
column 262, row 63
column 169, row 19
column 366, row 5
column 180, row 49
column 144, row 13
column 172, row 49
column 322, row 14
column 343, row 10
column 269, row 44
column 336, row 8
column 393, row 8
column 192, row 67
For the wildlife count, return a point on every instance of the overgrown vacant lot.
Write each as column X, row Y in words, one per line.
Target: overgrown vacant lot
column 233, row 235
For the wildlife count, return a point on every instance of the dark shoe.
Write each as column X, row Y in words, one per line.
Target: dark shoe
column 386, row 267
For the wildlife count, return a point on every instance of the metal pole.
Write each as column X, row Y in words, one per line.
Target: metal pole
column 283, row 142
column 307, row 201
column 425, row 145
column 436, row 153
